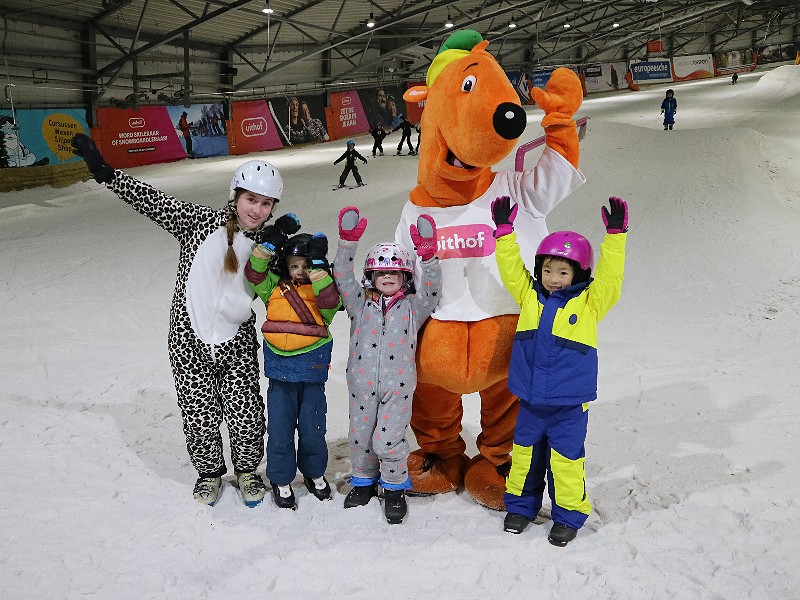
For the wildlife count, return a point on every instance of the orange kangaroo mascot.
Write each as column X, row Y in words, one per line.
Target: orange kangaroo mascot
column 472, row 119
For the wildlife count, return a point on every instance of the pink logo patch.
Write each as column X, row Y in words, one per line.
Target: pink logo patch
column 464, row 241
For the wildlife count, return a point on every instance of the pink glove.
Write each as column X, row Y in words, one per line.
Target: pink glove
column 351, row 227
column 560, row 99
column 503, row 216
column 423, row 234
column 616, row 220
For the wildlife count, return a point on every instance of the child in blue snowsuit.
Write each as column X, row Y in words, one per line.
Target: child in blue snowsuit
column 386, row 314
column 669, row 108
column 292, row 277
column 553, row 366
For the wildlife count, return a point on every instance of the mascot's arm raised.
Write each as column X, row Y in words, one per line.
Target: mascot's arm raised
column 560, row 100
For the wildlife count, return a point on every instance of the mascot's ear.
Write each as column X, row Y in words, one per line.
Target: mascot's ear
column 418, row 93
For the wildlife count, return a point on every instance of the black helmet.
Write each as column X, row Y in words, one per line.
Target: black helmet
column 297, row 245
column 670, row 92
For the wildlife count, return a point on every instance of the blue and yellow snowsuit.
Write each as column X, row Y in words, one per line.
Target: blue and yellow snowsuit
column 554, row 372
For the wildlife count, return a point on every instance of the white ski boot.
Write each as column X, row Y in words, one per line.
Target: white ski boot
column 252, row 488
column 207, row 490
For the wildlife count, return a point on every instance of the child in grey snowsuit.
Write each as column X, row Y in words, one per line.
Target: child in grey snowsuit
column 386, row 314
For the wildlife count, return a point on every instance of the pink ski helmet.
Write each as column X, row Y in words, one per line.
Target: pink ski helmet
column 387, row 257
column 569, row 245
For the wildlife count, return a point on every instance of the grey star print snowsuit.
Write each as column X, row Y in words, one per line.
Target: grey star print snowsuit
column 381, row 369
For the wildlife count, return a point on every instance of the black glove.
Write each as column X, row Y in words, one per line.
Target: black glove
column 273, row 238
column 616, row 220
column 288, row 224
column 501, row 211
column 318, row 251
column 84, row 146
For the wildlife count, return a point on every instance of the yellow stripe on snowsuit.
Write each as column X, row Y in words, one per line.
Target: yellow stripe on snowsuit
column 520, row 467
column 569, row 482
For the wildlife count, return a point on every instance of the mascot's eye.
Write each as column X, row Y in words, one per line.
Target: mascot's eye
column 469, row 83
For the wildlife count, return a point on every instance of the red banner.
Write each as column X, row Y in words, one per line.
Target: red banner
column 252, row 128
column 130, row 138
column 348, row 117
column 654, row 46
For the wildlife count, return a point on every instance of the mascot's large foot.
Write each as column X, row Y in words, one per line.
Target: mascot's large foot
column 486, row 483
column 433, row 475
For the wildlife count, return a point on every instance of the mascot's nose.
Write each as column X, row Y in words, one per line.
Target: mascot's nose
column 509, row 120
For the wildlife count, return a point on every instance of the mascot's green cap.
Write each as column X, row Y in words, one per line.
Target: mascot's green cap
column 456, row 46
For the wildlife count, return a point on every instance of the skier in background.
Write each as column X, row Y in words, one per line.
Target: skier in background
column 351, row 154
column 669, row 108
column 406, row 127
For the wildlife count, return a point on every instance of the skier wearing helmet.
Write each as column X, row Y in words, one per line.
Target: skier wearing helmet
column 553, row 367
column 212, row 342
column 350, row 155
column 386, row 313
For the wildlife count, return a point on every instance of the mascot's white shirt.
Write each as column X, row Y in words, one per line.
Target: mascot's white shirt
column 218, row 302
column 472, row 289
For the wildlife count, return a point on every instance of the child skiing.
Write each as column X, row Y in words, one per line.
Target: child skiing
column 406, row 137
column 669, row 108
column 350, row 155
column 386, row 313
column 553, row 366
column 212, row 343
column 379, row 133
column 292, row 277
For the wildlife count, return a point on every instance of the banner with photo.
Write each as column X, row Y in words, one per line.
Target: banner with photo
column 734, row 60
column 348, row 115
column 39, row 137
column 384, row 105
column 253, row 129
column 131, row 138
column 201, row 129
column 776, row 53
column 605, row 77
column 686, row 68
column 301, row 119
column 651, row 71
column 519, row 81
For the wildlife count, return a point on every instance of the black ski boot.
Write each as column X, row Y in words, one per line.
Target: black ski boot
column 394, row 506
column 515, row 523
column 321, row 493
column 361, row 495
column 281, row 498
column 561, row 535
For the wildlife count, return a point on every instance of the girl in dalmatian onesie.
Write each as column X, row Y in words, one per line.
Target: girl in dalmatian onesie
column 386, row 313
column 212, row 340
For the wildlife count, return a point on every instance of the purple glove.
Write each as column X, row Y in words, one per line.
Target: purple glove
column 351, row 226
column 423, row 234
column 616, row 221
column 503, row 216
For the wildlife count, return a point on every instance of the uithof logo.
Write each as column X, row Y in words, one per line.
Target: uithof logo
column 136, row 122
column 254, row 126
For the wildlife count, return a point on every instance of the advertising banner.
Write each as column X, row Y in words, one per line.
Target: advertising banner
column 699, row 66
column 605, row 77
column 519, row 81
column 539, row 78
column 776, row 53
column 415, row 108
column 39, row 137
column 348, row 114
column 130, row 138
column 384, row 105
column 301, row 118
column 252, row 128
column 651, row 71
column 734, row 60
column 201, row 129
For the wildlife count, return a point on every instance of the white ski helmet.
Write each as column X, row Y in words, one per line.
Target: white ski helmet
column 387, row 257
column 259, row 177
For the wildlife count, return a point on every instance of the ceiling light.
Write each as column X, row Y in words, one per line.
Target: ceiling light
column 567, row 25
column 449, row 22
column 267, row 9
column 371, row 22
column 615, row 25
column 512, row 25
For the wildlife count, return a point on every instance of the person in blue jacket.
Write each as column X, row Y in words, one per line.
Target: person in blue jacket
column 669, row 108
column 553, row 366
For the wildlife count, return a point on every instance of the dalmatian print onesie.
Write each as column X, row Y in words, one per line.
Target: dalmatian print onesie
column 212, row 339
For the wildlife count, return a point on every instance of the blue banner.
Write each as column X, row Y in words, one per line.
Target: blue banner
column 39, row 137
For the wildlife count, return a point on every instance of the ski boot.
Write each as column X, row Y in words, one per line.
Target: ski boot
column 319, row 487
column 394, row 506
column 283, row 496
column 515, row 523
column 361, row 495
column 252, row 488
column 207, row 490
column 561, row 535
